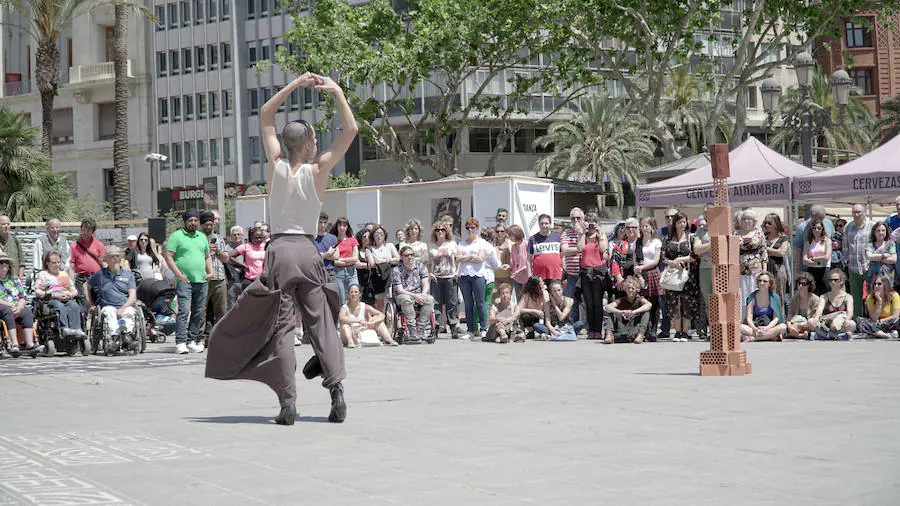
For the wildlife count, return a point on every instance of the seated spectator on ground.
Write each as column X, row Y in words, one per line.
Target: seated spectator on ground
column 834, row 316
column 802, row 307
column 59, row 287
column 882, row 311
column 411, row 285
column 12, row 307
column 558, row 324
column 358, row 319
column 503, row 318
column 531, row 304
column 115, row 292
column 627, row 317
column 764, row 320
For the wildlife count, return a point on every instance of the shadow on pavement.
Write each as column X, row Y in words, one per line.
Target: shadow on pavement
column 668, row 373
column 253, row 419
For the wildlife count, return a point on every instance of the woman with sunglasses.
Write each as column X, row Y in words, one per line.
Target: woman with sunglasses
column 777, row 246
column 445, row 288
column 764, row 320
column 381, row 256
column 802, row 307
column 881, row 254
column 817, row 253
column 503, row 244
column 472, row 257
column 882, row 313
column 13, row 309
column 835, row 312
column 677, row 253
column 143, row 260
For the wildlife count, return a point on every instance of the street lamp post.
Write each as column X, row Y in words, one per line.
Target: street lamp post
column 807, row 118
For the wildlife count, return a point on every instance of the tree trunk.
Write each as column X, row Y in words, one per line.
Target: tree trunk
column 740, row 118
column 47, row 77
column 666, row 139
column 122, row 172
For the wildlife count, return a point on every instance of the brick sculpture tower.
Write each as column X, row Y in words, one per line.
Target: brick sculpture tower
column 725, row 357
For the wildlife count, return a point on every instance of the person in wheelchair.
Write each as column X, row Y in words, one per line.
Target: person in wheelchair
column 13, row 309
column 115, row 292
column 58, row 288
column 410, row 282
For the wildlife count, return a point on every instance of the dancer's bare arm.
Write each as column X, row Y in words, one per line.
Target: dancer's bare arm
column 267, row 121
column 327, row 160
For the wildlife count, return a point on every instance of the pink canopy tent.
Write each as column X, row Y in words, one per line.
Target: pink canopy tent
column 758, row 175
column 876, row 173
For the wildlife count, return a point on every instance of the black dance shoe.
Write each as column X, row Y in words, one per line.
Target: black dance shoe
column 287, row 416
column 338, row 406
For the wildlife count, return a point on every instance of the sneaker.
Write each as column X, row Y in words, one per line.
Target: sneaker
column 297, row 340
column 181, row 349
column 582, row 333
column 465, row 336
column 842, row 336
column 195, row 347
column 895, row 334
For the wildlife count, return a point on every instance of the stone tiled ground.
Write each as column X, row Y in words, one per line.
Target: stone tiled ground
column 462, row 423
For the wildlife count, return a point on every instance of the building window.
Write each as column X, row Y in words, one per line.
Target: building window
column 176, row 109
column 186, row 60
column 63, row 127
column 254, row 102
column 263, row 8
column 251, row 48
column 188, row 107
column 267, row 94
column 109, row 185
column 369, row 150
column 162, row 69
column 212, row 6
column 265, row 51
column 177, row 155
column 173, row 15
column 226, row 9
column 214, row 152
column 226, row 54
column 255, row 156
column 863, row 79
column 188, row 155
column 227, row 153
column 164, row 150
column 202, row 153
column 524, row 140
column 213, row 104
column 201, row 106
column 858, row 34
column 229, row 103
column 479, row 140
column 294, row 100
column 185, row 13
column 163, row 110
column 173, row 60
column 307, row 98
column 200, row 58
column 752, row 102
column 198, row 11
column 251, row 9
column 160, row 12
column 213, row 51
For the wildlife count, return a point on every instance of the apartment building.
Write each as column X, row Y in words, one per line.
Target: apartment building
column 84, row 112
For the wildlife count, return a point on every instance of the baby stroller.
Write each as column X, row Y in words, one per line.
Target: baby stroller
column 156, row 296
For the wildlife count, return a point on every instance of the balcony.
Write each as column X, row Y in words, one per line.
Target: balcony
column 95, row 72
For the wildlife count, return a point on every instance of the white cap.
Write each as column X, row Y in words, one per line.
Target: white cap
column 132, row 237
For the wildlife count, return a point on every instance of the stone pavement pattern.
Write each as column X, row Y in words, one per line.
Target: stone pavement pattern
column 462, row 423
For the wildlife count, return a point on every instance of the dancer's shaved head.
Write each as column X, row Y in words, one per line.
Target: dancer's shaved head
column 296, row 135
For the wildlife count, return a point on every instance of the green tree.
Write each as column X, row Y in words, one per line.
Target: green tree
column 29, row 189
column 686, row 109
column 889, row 124
column 420, row 76
column 853, row 134
column 603, row 141
column 347, row 180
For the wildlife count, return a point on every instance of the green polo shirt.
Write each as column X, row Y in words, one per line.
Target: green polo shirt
column 189, row 252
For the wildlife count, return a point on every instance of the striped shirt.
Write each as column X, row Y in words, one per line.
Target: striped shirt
column 572, row 264
column 854, row 246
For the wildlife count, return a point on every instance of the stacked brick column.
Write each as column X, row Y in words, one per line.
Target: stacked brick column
column 725, row 357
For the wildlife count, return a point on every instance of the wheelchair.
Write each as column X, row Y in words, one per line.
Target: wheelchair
column 134, row 341
column 53, row 336
column 396, row 322
column 6, row 344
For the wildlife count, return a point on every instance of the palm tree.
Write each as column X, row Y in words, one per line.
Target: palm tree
column 604, row 141
column 889, row 124
column 121, row 169
column 854, row 134
column 29, row 189
column 686, row 109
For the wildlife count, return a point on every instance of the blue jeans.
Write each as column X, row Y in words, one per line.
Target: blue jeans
column 69, row 313
column 345, row 276
column 540, row 327
column 571, row 286
column 473, row 288
column 191, row 306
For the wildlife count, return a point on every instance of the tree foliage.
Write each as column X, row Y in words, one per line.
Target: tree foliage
column 347, row 180
column 889, row 124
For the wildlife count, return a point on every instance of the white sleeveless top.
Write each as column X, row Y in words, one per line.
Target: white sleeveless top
column 294, row 205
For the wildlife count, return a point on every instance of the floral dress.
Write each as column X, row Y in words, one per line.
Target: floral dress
column 11, row 290
column 686, row 303
column 753, row 255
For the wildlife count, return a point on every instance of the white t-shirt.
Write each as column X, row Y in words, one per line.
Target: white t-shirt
column 294, row 205
column 651, row 250
column 473, row 269
column 385, row 253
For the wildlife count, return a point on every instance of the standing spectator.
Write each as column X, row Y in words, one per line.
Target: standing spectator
column 347, row 256
column 492, row 263
column 543, row 252
column 649, row 271
column 752, row 253
column 11, row 246
column 677, row 253
column 234, row 270
column 503, row 245
column 764, row 319
column 471, row 256
column 327, row 245
column 503, row 317
column 363, row 273
column 817, row 254
column 837, row 242
column 413, row 239
column 802, row 307
column 59, row 287
column 627, row 316
column 531, row 305
column 143, row 260
column 558, row 324
column 572, row 259
column 381, row 256
column 131, row 243
column 411, row 286
column 188, row 257
column 667, row 229
column 519, row 268
column 626, row 254
column 881, row 254
column 444, row 271
column 815, row 212
column 705, row 271
column 777, row 246
column 85, row 254
column 856, row 234
column 594, row 272
column 13, row 309
column 893, row 220
column 881, row 314
column 400, row 235
column 254, row 254
column 217, row 288
column 51, row 240
column 502, row 216
column 835, row 312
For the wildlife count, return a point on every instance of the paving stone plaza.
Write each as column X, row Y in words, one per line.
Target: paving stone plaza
column 461, row 423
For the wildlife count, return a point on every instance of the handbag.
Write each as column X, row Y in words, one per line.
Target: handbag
column 369, row 337
column 674, row 279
